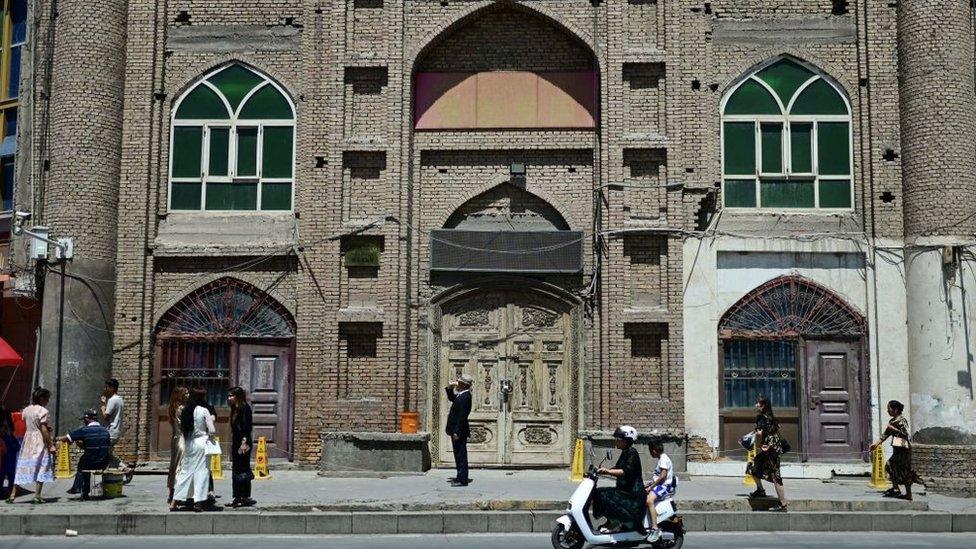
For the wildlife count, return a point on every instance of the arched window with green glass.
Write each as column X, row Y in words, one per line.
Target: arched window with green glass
column 232, row 144
column 786, row 140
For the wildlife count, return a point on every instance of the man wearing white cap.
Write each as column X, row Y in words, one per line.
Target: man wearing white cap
column 459, row 393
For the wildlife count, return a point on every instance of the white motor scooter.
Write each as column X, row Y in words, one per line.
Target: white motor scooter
column 574, row 529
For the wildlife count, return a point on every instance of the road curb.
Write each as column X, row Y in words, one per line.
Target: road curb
column 459, row 522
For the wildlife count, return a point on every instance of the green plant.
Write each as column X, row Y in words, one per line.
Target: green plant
column 366, row 254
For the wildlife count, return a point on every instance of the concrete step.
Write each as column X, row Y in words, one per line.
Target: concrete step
column 39, row 523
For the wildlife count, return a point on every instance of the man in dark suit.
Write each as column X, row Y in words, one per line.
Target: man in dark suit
column 459, row 393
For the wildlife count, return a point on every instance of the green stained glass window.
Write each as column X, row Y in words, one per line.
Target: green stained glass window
column 751, row 98
column 835, row 194
column 801, row 146
column 202, row 103
column 776, row 193
column 740, row 148
column 232, row 196
column 772, row 147
column 277, row 152
column 266, row 103
column 219, row 149
column 247, row 152
column 740, row 193
column 235, row 82
column 187, row 151
column 819, row 98
column 833, row 148
column 276, row 196
column 185, row 196
column 785, row 77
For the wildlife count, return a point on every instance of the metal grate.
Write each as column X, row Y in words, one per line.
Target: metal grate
column 540, row 252
column 790, row 306
column 225, row 309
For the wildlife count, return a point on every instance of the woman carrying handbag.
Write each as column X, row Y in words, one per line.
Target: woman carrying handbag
column 899, row 466
column 198, row 430
column 240, row 448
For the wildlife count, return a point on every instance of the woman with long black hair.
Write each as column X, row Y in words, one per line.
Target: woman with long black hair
column 197, row 426
column 766, row 463
column 240, row 448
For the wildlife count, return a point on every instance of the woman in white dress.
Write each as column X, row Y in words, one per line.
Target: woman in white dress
column 197, row 425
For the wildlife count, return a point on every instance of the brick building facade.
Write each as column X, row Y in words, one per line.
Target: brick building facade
column 341, row 204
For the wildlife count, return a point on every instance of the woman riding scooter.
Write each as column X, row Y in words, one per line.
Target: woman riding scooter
column 622, row 505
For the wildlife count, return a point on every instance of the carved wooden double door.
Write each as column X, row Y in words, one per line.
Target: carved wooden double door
column 517, row 348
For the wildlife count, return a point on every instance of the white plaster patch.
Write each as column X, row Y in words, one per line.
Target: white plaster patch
column 929, row 411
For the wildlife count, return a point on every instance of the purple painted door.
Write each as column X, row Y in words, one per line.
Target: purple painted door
column 264, row 371
column 832, row 406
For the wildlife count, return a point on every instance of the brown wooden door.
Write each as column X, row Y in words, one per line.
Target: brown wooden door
column 264, row 371
column 832, row 405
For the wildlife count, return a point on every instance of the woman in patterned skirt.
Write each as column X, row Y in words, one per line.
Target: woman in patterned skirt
column 899, row 467
column 34, row 462
column 766, row 463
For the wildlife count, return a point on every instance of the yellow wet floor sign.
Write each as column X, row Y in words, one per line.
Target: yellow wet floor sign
column 576, row 473
column 216, row 466
column 63, row 468
column 261, row 462
column 750, row 459
column 878, row 479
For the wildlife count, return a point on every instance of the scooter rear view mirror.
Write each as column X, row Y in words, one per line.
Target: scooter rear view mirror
column 609, row 455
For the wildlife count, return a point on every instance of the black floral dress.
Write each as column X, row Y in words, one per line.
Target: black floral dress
column 625, row 502
column 899, row 467
column 766, row 463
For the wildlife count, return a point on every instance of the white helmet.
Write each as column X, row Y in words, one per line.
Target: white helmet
column 626, row 432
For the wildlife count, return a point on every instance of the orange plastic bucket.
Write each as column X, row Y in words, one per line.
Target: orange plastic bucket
column 409, row 422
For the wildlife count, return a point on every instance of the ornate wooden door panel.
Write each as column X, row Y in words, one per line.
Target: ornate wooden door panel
column 473, row 344
column 516, row 350
column 538, row 408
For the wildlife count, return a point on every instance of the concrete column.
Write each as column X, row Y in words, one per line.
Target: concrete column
column 80, row 199
column 938, row 129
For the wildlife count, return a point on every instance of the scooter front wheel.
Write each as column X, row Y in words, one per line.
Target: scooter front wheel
column 567, row 539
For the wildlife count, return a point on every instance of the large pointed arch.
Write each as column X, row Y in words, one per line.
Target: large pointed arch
column 227, row 309
column 791, row 306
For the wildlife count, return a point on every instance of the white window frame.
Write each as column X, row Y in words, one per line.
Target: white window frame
column 233, row 122
column 787, row 120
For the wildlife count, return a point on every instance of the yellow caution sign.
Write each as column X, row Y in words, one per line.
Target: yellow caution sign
column 750, row 459
column 878, row 477
column 63, row 469
column 261, row 462
column 216, row 466
column 576, row 472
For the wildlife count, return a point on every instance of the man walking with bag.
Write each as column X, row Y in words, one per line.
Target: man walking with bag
column 459, row 393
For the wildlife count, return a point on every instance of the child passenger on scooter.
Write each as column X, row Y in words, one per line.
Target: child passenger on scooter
column 661, row 488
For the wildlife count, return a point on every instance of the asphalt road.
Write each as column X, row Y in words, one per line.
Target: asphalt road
column 514, row 541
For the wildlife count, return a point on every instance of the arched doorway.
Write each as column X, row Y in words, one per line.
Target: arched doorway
column 520, row 347
column 229, row 333
column 802, row 346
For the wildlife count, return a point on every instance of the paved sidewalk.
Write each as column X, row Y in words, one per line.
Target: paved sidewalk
column 492, row 489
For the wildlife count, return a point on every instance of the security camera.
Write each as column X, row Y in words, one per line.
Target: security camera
column 22, row 216
column 19, row 219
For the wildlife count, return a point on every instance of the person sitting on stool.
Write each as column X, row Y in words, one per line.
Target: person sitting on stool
column 459, row 393
column 95, row 439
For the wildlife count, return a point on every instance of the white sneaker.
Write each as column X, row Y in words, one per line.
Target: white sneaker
column 654, row 535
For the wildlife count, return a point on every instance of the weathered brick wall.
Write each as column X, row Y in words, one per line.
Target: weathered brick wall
column 946, row 469
column 662, row 77
column 938, row 116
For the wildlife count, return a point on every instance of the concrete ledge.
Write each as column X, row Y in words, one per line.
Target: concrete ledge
column 328, row 523
column 459, row 522
column 785, row 30
column 372, row 453
column 233, row 38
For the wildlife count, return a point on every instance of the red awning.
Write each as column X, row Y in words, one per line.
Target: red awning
column 8, row 356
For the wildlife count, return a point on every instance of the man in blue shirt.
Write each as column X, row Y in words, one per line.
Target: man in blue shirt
column 95, row 439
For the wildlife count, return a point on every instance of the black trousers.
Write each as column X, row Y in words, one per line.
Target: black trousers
column 241, row 481
column 461, row 457
column 82, row 483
